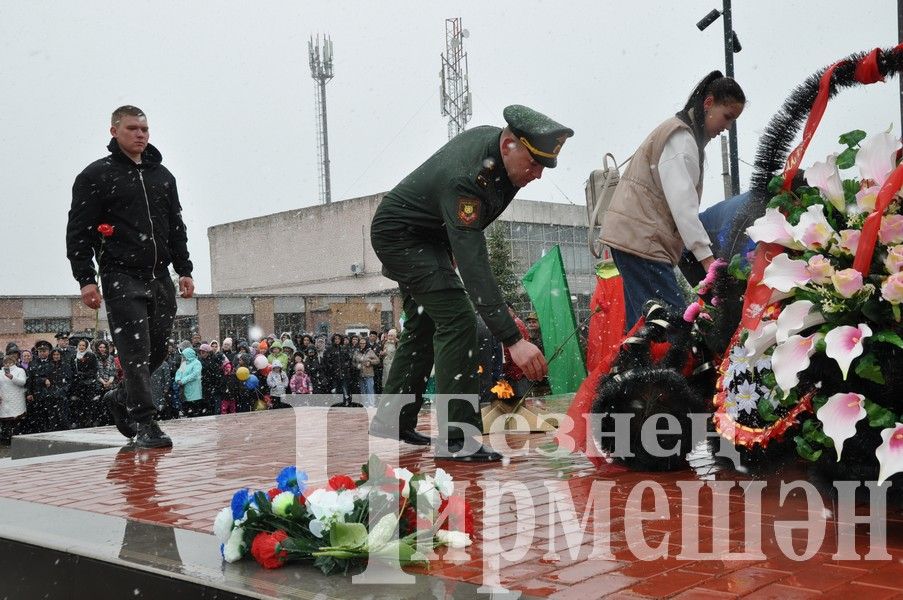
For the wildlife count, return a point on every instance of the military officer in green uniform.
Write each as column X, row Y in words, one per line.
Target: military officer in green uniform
column 431, row 223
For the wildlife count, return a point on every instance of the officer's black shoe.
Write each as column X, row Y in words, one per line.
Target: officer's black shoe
column 408, row 436
column 120, row 414
column 150, row 436
column 455, row 452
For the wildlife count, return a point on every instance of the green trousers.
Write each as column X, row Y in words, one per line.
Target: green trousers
column 440, row 327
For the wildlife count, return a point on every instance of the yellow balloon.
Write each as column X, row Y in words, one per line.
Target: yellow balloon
column 242, row 373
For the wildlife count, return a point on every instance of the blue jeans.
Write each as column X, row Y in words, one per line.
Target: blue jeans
column 645, row 280
column 367, row 390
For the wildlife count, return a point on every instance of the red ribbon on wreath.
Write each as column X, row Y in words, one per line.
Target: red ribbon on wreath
column 757, row 293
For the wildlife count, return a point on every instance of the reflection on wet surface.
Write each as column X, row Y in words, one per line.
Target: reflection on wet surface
column 540, row 515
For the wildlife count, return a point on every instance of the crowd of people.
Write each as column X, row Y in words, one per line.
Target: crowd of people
column 49, row 388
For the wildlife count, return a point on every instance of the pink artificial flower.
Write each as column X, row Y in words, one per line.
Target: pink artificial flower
column 849, row 240
column 692, row 312
column 847, row 282
column 813, row 230
column 844, row 344
column 773, row 227
column 820, row 269
column 839, row 416
column 877, row 157
column 892, row 288
column 891, row 231
column 792, row 357
column 826, row 177
column 785, row 274
column 894, row 261
column 890, row 452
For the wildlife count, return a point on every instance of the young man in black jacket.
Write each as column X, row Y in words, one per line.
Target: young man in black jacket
column 126, row 214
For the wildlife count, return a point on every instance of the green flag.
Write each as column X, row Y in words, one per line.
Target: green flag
column 548, row 290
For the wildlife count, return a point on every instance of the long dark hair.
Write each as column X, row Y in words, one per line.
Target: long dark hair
column 722, row 89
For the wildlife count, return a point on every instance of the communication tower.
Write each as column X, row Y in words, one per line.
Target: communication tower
column 454, row 86
column 321, row 71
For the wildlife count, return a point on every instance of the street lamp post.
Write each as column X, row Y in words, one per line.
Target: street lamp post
column 731, row 45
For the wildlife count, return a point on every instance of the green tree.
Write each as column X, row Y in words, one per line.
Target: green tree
column 503, row 267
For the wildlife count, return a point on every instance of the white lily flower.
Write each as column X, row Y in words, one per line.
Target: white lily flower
column 792, row 357
column 785, row 274
column 791, row 319
column 839, row 416
column 890, row 453
column 813, row 230
column 773, row 228
column 844, row 344
column 826, row 177
column 877, row 157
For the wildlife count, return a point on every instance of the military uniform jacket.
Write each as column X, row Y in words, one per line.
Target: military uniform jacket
column 435, row 218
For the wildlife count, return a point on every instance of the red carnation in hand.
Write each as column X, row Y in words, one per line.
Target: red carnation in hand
column 458, row 514
column 265, row 549
column 273, row 492
column 105, row 229
column 340, row 482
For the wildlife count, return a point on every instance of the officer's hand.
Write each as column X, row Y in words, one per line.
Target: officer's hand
column 530, row 359
column 186, row 287
column 91, row 296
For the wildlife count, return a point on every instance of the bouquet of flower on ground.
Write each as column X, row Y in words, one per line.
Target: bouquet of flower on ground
column 388, row 513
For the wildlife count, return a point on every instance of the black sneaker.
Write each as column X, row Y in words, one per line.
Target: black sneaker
column 150, row 436
column 120, row 414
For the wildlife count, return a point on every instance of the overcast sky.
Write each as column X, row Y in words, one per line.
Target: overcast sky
column 227, row 89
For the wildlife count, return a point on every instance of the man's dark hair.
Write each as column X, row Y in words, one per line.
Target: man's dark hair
column 125, row 111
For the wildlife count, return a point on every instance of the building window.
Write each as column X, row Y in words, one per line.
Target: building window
column 235, row 326
column 51, row 325
column 184, row 326
column 293, row 322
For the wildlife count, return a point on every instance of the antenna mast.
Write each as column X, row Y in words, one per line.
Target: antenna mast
column 454, row 87
column 321, row 71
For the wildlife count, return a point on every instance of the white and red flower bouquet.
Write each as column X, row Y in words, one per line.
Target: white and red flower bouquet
column 386, row 513
column 818, row 364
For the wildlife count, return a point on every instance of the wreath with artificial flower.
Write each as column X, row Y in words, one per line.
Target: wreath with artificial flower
column 820, row 321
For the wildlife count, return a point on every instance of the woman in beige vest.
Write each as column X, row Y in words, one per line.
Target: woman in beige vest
column 654, row 214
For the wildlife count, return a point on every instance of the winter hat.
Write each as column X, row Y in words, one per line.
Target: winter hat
column 276, row 365
column 205, row 348
column 184, row 344
column 227, row 343
column 276, row 344
column 288, row 346
column 13, row 348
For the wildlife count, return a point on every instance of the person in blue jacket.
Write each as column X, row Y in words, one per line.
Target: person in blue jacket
column 189, row 377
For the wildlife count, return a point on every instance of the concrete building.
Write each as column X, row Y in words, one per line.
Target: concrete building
column 26, row 319
column 325, row 249
column 310, row 269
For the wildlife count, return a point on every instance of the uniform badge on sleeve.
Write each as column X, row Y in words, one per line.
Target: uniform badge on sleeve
column 468, row 210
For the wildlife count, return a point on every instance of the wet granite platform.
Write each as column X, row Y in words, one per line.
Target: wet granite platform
column 101, row 520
